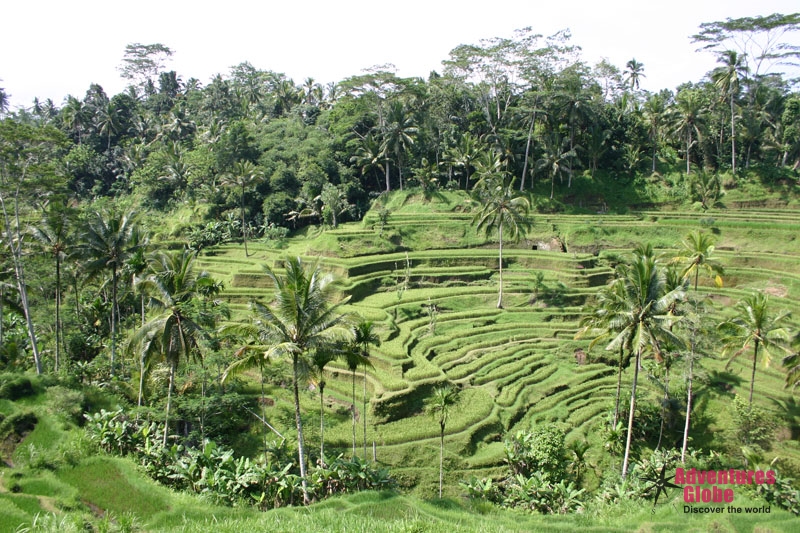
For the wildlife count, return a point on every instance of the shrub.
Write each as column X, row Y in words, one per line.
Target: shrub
column 15, row 386
column 540, row 450
column 66, row 403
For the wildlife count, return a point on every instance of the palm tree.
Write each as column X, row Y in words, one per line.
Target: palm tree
column 464, row 154
column 438, row 405
column 245, row 175
column 319, row 361
column 3, row 101
column 105, row 244
column 175, row 332
column 792, row 364
column 502, row 209
column 555, row 158
column 398, row 135
column 754, row 324
column 53, row 234
column 369, row 156
column 727, row 79
column 696, row 254
column 364, row 336
column 74, row 117
column 688, row 116
column 655, row 110
column 644, row 321
column 249, row 356
column 602, row 322
column 634, row 71
column 302, row 320
column 354, row 358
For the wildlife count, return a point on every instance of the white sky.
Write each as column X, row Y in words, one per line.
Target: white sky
column 51, row 48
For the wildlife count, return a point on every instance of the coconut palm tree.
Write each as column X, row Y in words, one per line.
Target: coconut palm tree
column 696, row 252
column 354, row 358
column 688, row 117
column 398, row 135
column 727, row 79
column 555, row 158
column 105, row 244
column 53, row 233
column 755, row 325
column 602, row 323
column 364, row 336
column 502, row 209
column 304, row 318
column 370, row 155
column 438, row 406
column 244, row 176
column 319, row 361
column 643, row 320
column 634, row 71
column 174, row 333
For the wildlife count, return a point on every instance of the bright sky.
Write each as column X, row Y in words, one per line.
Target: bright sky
column 51, row 48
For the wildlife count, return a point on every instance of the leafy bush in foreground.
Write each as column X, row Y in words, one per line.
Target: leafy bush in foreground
column 213, row 471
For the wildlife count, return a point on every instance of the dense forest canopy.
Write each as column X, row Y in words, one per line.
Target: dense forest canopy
column 107, row 201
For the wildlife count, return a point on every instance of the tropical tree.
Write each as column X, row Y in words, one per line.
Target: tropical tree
column 555, row 158
column 688, row 116
column 53, row 234
column 370, row 155
column 655, row 112
column 634, row 72
column 502, row 209
column 303, row 318
column 643, row 324
column 696, row 254
column 354, row 357
column 438, row 406
column 602, row 322
column 398, row 135
column 792, row 364
column 105, row 244
column 727, row 79
column 244, row 176
column 364, row 336
column 319, row 360
column 175, row 331
column 464, row 154
column 754, row 324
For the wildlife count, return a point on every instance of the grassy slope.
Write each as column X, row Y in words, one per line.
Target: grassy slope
column 517, row 366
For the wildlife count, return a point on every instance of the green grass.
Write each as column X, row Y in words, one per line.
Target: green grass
column 109, row 483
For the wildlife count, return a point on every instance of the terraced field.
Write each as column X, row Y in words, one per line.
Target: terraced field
column 430, row 283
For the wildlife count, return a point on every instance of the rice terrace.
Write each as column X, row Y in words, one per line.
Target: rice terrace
column 395, row 304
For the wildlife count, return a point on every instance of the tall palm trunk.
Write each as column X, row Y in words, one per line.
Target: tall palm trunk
column 688, row 152
column 244, row 228
column 664, row 403
column 619, row 390
column 753, row 376
column 441, row 459
column 169, row 400
column 354, row 414
column 301, row 451
column 19, row 274
column 689, row 381
column 113, row 319
column 527, row 150
column 59, row 333
column 364, row 412
column 733, row 138
column 500, row 296
column 321, row 421
column 630, row 416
